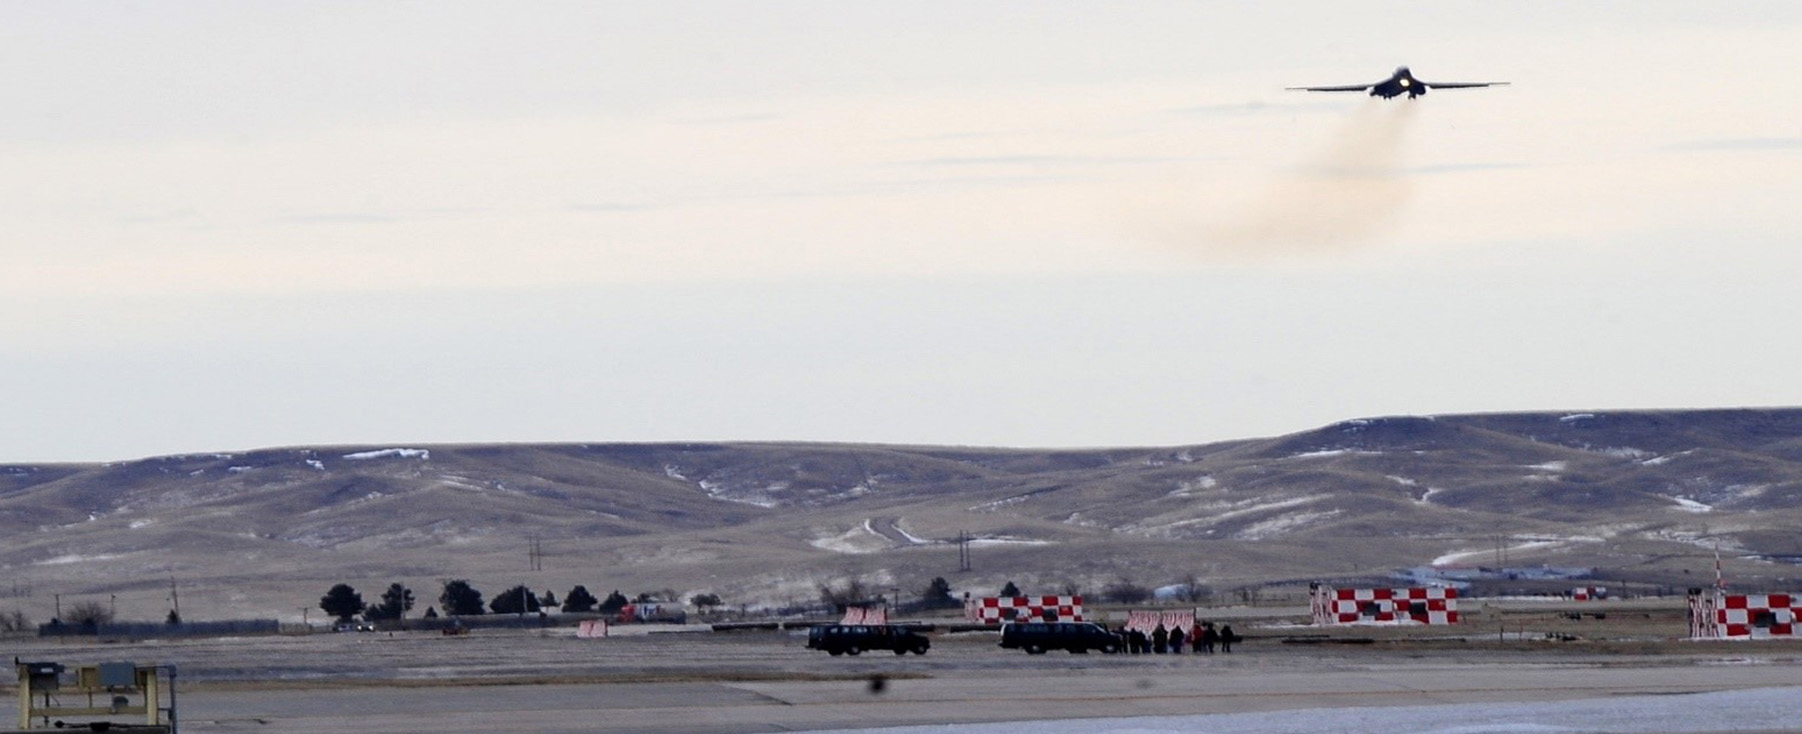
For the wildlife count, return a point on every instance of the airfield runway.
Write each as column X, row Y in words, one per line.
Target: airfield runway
column 495, row 681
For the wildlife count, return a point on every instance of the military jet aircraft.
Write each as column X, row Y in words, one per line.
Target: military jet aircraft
column 1400, row 83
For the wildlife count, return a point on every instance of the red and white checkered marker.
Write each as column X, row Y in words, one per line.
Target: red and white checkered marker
column 1417, row 605
column 998, row 609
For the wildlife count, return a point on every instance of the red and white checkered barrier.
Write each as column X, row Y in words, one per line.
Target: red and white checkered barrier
column 1147, row 621
column 865, row 615
column 998, row 609
column 1714, row 615
column 1429, row 605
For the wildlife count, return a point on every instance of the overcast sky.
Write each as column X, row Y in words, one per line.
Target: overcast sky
column 232, row 225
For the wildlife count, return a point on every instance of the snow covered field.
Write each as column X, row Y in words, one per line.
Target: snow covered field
column 1756, row 710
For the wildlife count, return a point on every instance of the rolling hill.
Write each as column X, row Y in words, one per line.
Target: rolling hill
column 1640, row 496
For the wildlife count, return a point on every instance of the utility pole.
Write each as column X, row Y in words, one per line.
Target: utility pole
column 963, row 551
column 174, row 596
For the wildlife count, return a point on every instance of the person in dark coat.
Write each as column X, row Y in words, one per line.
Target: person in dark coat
column 1160, row 638
column 1177, row 637
column 1227, row 638
column 1136, row 640
column 1208, row 637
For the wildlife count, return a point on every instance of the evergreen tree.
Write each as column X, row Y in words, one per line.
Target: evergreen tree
column 396, row 601
column 1010, row 590
column 579, row 600
column 704, row 601
column 460, row 599
column 342, row 602
column 938, row 593
column 615, row 602
column 430, row 613
column 547, row 600
column 517, row 600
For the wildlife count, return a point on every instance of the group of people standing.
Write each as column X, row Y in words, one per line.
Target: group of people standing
column 1201, row 639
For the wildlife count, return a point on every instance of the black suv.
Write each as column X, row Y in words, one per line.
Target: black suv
column 851, row 639
column 1037, row 637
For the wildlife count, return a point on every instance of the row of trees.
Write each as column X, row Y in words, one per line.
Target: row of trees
column 459, row 598
column 937, row 592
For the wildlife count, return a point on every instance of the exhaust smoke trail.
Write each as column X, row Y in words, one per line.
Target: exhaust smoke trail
column 1339, row 197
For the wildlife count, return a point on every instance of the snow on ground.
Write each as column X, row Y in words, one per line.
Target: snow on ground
column 760, row 497
column 1006, row 541
column 1692, row 505
column 1201, row 483
column 421, row 454
column 1461, row 556
column 911, row 538
column 1282, row 524
column 1762, row 709
column 72, row 558
column 1333, row 452
column 859, row 540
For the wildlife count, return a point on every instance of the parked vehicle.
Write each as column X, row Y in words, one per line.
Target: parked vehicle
column 852, row 639
column 1077, row 637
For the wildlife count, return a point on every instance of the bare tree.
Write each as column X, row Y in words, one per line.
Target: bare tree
column 1126, row 592
column 853, row 590
column 1194, row 591
column 14, row 621
column 88, row 613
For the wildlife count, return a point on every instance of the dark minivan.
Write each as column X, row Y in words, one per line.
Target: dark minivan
column 851, row 639
column 1037, row 637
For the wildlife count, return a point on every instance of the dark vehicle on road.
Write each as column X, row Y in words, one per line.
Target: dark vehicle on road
column 851, row 639
column 1037, row 637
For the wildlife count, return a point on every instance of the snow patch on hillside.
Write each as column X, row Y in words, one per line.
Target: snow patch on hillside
column 421, row 454
column 911, row 538
column 1218, row 512
column 1282, row 524
column 65, row 560
column 1005, row 540
column 674, row 472
column 316, row 464
column 860, row 540
column 1325, row 453
column 1003, row 502
column 1540, row 544
column 1198, row 484
column 758, row 496
column 1689, row 505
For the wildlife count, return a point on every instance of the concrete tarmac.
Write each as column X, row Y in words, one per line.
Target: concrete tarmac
column 767, row 682
column 722, row 708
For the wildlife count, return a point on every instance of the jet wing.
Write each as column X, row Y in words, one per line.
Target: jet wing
column 1458, row 85
column 1340, row 88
